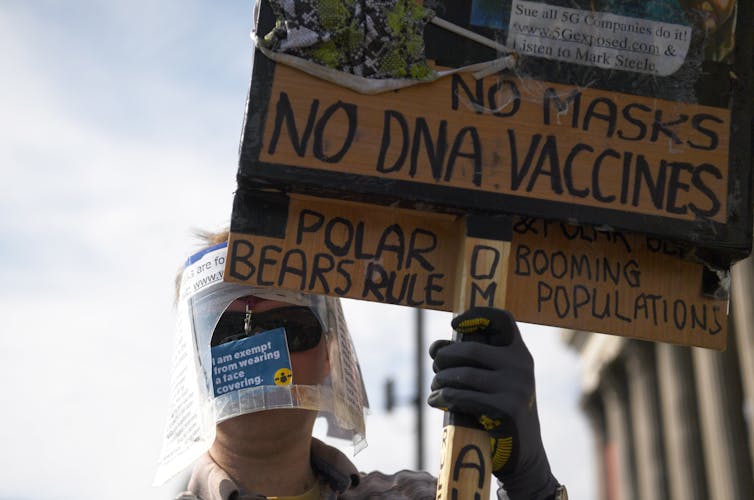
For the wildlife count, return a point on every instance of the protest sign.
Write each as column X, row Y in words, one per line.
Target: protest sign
column 588, row 136
column 628, row 120
column 545, row 272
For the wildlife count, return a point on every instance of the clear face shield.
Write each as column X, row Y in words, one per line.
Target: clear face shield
column 234, row 347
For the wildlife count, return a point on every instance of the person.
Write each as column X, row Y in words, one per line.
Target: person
column 254, row 440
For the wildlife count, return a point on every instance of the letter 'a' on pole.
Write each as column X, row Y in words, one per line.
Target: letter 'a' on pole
column 465, row 461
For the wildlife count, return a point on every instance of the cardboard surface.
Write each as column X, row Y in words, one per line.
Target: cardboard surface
column 659, row 143
column 508, row 137
column 557, row 274
column 611, row 282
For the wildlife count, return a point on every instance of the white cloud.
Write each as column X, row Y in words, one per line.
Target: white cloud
column 96, row 222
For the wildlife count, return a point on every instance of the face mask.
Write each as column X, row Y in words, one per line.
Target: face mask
column 204, row 320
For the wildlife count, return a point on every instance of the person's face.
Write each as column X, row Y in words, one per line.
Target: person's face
column 310, row 366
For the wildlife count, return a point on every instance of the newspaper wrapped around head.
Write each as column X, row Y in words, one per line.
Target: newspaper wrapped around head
column 198, row 401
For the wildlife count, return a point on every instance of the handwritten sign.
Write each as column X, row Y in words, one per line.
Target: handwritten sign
column 355, row 251
column 611, row 282
column 613, row 150
column 549, row 273
column 507, row 137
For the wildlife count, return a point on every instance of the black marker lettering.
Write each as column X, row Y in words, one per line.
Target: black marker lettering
column 696, row 320
column 497, row 88
column 477, row 99
column 264, row 260
column 287, row 268
column 578, row 303
column 679, row 314
column 544, row 294
column 339, row 248
column 655, row 187
column 522, row 262
column 487, row 295
column 718, row 327
column 323, row 263
column 317, row 220
column 605, row 310
column 398, row 247
column 415, row 251
column 390, row 116
column 548, row 155
column 696, row 124
column 562, row 106
column 475, row 154
column 561, row 302
column 625, row 177
column 675, row 184
column 476, row 463
column 568, row 173
column 483, row 274
column 346, row 275
column 435, row 152
column 658, row 126
column 371, row 285
column 434, row 287
column 320, row 144
column 639, row 124
column 697, row 182
column 359, row 252
column 284, row 113
column 241, row 251
column 518, row 176
column 609, row 116
column 596, row 176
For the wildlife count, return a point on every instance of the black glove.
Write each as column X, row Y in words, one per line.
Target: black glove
column 492, row 378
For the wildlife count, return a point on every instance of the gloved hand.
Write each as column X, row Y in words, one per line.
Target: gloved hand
column 492, row 378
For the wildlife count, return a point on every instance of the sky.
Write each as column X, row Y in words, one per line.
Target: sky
column 119, row 136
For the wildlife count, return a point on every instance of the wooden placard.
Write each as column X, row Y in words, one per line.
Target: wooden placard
column 550, row 273
column 352, row 250
column 604, row 151
column 611, row 282
column 487, row 138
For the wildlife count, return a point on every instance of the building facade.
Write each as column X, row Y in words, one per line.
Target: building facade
column 674, row 422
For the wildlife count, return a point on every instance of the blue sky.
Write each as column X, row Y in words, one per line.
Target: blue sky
column 119, row 135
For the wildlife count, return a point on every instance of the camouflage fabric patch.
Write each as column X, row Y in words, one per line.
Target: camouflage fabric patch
column 368, row 38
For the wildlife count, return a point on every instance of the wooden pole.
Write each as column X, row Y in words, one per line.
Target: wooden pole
column 465, row 461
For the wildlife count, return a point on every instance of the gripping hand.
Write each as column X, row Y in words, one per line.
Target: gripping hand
column 490, row 375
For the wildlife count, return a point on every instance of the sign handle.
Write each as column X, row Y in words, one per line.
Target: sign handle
column 465, row 461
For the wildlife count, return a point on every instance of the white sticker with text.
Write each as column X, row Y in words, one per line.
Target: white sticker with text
column 597, row 38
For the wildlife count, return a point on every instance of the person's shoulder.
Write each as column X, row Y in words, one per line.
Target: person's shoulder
column 404, row 484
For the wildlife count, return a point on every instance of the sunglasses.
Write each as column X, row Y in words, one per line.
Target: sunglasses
column 303, row 330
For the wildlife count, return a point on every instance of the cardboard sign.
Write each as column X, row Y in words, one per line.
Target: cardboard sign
column 544, row 272
column 628, row 120
column 351, row 250
column 611, row 282
column 604, row 151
